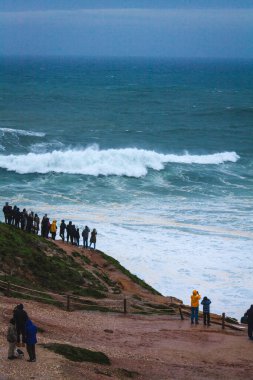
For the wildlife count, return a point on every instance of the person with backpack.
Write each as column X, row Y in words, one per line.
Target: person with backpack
column 20, row 316
column 195, row 297
column 11, row 339
column 31, row 340
column 85, row 235
column 206, row 310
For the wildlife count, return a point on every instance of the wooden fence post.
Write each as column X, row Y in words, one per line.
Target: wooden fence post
column 68, row 302
column 181, row 314
column 223, row 321
column 125, row 306
column 8, row 289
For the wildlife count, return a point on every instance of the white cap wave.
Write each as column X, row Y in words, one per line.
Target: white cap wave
column 131, row 162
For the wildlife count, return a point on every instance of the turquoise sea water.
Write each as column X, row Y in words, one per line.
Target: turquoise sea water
column 155, row 154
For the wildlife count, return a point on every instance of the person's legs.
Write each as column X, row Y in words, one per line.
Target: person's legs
column 11, row 350
column 208, row 319
column 22, row 330
column 196, row 315
column 32, row 354
column 29, row 351
column 250, row 330
column 18, row 335
column 204, row 316
column 192, row 315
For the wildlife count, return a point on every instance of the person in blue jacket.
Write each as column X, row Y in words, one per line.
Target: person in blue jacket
column 31, row 340
column 206, row 310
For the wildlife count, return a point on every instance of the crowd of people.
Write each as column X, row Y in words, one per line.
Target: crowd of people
column 21, row 332
column 30, row 222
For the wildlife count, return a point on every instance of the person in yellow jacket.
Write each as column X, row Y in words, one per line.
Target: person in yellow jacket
column 195, row 297
column 53, row 229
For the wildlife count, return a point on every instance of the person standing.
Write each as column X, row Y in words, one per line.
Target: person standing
column 6, row 211
column 11, row 339
column 62, row 229
column 195, row 297
column 93, row 237
column 249, row 313
column 44, row 226
column 31, row 340
column 85, row 235
column 53, row 229
column 77, row 237
column 69, row 230
column 23, row 219
column 36, row 224
column 206, row 310
column 20, row 316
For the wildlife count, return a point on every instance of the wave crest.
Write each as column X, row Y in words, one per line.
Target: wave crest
column 21, row 132
column 131, row 162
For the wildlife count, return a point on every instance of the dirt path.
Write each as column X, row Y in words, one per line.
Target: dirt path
column 140, row 347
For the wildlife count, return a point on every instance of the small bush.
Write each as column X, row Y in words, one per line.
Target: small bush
column 77, row 354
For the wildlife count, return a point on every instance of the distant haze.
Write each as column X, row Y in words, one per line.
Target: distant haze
column 127, row 28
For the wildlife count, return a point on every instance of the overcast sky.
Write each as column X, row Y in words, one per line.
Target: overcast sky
column 160, row 28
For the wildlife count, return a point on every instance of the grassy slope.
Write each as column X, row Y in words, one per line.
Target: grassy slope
column 32, row 261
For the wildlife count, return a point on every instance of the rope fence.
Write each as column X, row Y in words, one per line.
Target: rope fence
column 71, row 302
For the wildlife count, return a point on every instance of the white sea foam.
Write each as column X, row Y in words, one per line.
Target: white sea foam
column 129, row 162
column 21, row 132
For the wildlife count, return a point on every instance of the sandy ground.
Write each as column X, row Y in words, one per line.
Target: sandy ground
column 150, row 347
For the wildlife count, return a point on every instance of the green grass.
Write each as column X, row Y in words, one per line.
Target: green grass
column 89, row 292
column 34, row 298
column 77, row 354
column 34, row 262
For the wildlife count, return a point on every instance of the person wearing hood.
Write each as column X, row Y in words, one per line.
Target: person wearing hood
column 31, row 339
column 20, row 316
column 249, row 313
column 53, row 229
column 206, row 310
column 12, row 339
column 195, row 297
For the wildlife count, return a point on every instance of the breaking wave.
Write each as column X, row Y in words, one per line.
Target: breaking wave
column 21, row 132
column 131, row 162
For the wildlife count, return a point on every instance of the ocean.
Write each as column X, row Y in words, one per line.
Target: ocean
column 157, row 155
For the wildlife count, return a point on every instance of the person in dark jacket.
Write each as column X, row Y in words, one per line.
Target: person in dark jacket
column 249, row 313
column 206, row 310
column 77, row 237
column 62, row 229
column 31, row 340
column 69, row 230
column 12, row 339
column 23, row 219
column 20, row 316
column 85, row 235
column 6, row 212
column 17, row 217
column 93, row 238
